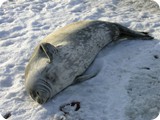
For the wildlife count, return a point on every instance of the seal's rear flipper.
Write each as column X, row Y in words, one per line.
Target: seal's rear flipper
column 128, row 33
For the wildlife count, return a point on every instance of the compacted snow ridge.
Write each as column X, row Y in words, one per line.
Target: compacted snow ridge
column 128, row 85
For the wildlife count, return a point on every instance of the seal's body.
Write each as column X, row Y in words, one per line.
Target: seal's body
column 64, row 55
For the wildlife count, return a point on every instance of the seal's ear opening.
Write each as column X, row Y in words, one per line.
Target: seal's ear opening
column 49, row 50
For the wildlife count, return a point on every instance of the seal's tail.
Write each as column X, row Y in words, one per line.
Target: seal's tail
column 128, row 33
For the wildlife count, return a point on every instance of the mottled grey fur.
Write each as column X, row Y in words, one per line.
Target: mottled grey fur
column 65, row 54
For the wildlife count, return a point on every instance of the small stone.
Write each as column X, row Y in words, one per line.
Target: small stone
column 156, row 56
column 7, row 115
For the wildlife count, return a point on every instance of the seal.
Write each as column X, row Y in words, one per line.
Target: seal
column 62, row 57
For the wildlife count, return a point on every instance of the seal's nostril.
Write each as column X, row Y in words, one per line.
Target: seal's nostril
column 33, row 94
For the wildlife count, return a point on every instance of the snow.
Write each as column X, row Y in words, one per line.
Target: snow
column 157, row 1
column 128, row 85
column 2, row 1
column 157, row 118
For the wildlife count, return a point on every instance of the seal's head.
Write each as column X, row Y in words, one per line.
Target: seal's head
column 41, row 81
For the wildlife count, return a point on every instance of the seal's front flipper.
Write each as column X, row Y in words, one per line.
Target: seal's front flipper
column 48, row 50
column 85, row 77
column 128, row 33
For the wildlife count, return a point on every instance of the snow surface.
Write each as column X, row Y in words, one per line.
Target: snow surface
column 2, row 1
column 128, row 85
column 157, row 1
column 157, row 118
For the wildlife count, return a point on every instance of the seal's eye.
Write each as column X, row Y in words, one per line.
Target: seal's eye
column 47, row 77
column 50, row 77
column 37, row 93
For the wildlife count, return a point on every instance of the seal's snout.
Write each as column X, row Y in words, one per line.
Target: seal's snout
column 38, row 96
column 40, row 92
